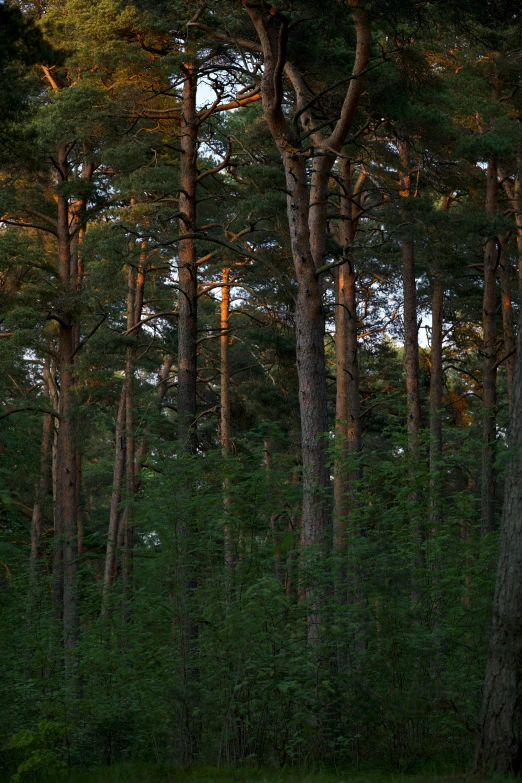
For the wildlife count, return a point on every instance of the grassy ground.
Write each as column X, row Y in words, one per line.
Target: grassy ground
column 164, row 774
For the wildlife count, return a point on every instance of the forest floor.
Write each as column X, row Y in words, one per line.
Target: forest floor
column 165, row 774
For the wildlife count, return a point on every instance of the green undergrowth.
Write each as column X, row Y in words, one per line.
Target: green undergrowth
column 137, row 773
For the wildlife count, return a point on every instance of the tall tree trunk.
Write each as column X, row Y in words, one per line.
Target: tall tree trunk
column 348, row 405
column 307, row 219
column 126, row 464
column 499, row 747
column 114, row 512
column 49, row 373
column 134, row 304
column 411, row 332
column 411, row 366
column 508, row 359
column 66, row 499
column 42, row 486
column 437, row 300
column 188, row 282
column 489, row 355
column 514, row 193
column 226, row 442
column 312, row 378
column 187, row 385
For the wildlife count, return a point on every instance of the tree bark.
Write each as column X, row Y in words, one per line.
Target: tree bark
column 489, row 355
column 508, row 359
column 117, row 482
column 514, row 194
column 436, row 377
column 411, row 333
column 347, row 400
column 188, row 282
column 42, row 486
column 499, row 748
column 66, row 531
column 307, row 219
column 226, row 442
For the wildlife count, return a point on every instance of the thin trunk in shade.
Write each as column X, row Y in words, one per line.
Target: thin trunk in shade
column 489, row 357
column 114, row 511
column 42, row 485
column 411, row 332
column 162, row 388
column 411, row 367
column 436, row 377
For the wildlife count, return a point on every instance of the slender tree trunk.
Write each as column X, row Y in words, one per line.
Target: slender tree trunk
column 411, row 333
column 489, row 355
column 188, row 282
column 79, row 517
column 226, row 442
column 134, row 304
column 117, row 482
column 294, row 529
column 513, row 191
column 437, row 299
column 42, row 487
column 49, row 373
column 499, row 749
column 142, row 449
column 66, row 499
column 411, row 366
column 348, row 405
column 508, row 360
column 78, row 227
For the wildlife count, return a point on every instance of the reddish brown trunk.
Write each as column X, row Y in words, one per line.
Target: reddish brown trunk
column 188, row 282
column 489, row 354
column 226, row 442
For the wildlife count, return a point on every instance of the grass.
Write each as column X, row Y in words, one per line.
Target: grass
column 136, row 773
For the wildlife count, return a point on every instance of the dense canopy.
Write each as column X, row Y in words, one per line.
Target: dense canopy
column 260, row 273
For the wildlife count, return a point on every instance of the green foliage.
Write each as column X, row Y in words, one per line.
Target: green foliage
column 193, row 658
column 41, row 759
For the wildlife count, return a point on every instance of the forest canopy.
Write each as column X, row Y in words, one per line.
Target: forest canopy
column 260, row 402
